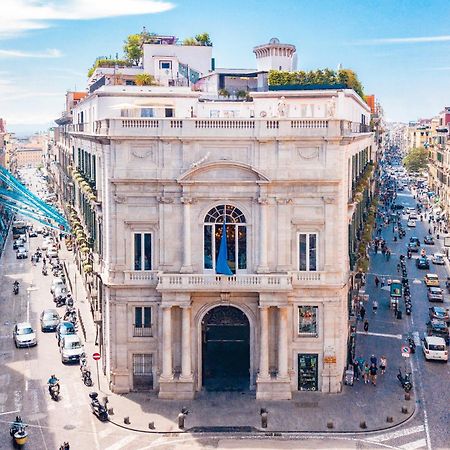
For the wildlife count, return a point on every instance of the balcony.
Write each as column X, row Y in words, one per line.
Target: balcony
column 207, row 127
column 142, row 331
column 141, row 277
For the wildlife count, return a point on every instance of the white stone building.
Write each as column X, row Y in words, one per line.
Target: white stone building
column 167, row 168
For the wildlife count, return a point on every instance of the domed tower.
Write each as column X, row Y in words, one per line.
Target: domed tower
column 275, row 56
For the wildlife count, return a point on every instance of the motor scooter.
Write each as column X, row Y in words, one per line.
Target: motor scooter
column 16, row 288
column 85, row 371
column 18, row 432
column 411, row 344
column 53, row 389
column 405, row 380
column 97, row 408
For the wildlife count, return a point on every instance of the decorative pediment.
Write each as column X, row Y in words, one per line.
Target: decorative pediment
column 223, row 171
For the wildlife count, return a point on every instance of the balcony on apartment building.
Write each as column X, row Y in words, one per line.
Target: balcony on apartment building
column 273, row 282
column 220, row 127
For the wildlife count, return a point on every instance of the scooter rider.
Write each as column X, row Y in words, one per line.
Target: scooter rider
column 52, row 381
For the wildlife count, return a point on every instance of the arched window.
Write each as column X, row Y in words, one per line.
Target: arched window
column 236, row 233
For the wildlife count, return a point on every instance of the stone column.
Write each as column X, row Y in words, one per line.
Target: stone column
column 186, row 372
column 167, row 342
column 187, row 247
column 263, row 266
column 264, row 342
column 330, row 243
column 283, row 234
column 282, row 343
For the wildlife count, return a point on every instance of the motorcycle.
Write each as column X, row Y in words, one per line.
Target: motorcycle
column 18, row 432
column 409, row 254
column 69, row 301
column 53, row 389
column 64, row 446
column 405, row 380
column 85, row 371
column 60, row 301
column 16, row 288
column 44, row 271
column 411, row 344
column 97, row 408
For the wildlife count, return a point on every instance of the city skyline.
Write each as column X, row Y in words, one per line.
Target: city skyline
column 396, row 59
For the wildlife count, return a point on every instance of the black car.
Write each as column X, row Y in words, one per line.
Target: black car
column 414, row 239
column 422, row 263
column 32, row 233
column 428, row 240
column 436, row 327
column 399, row 207
column 413, row 247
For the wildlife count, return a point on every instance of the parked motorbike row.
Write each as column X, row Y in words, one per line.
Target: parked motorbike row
column 85, row 371
column 406, row 288
column 97, row 408
column 405, row 380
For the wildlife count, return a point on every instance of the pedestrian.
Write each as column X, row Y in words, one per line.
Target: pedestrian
column 382, row 281
column 373, row 374
column 377, row 281
column 373, row 360
column 362, row 312
column 355, row 365
column 44, row 261
column 383, row 363
column 361, row 362
column 366, row 326
column 366, row 373
column 374, row 306
column 399, row 267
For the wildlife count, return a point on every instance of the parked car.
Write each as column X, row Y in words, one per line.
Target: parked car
column 428, row 239
column 415, row 239
column 59, row 291
column 413, row 247
column 422, row 263
column 438, row 258
column 435, row 348
column 64, row 328
column 21, row 253
column 52, row 252
column 19, row 242
column 397, row 207
column 438, row 312
column 438, row 328
column 49, row 320
column 46, row 243
column 56, row 282
column 24, row 335
column 431, row 279
column 435, row 294
column 71, row 348
column 413, row 215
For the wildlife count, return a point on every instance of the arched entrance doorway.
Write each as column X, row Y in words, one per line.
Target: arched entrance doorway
column 225, row 349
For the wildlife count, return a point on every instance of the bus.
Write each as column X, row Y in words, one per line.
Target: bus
column 19, row 228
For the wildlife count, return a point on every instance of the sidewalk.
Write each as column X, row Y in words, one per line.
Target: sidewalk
column 306, row 412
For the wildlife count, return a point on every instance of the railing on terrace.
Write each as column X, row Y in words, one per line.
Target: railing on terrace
column 142, row 331
column 177, row 127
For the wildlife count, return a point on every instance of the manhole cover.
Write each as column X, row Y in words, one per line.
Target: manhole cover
column 69, row 427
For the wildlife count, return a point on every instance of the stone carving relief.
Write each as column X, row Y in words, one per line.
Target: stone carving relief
column 308, row 153
column 142, row 152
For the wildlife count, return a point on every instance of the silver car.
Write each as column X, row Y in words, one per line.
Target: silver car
column 24, row 335
column 49, row 319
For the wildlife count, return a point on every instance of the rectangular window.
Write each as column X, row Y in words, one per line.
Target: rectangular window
column 142, row 321
column 147, row 112
column 242, row 247
column 307, row 251
column 307, row 320
column 165, row 65
column 168, row 112
column 142, row 251
column 207, row 237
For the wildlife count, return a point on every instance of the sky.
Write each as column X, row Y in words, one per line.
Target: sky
column 400, row 49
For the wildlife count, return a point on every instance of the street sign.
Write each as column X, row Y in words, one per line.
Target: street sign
column 329, row 359
column 446, row 241
column 405, row 351
column 96, row 356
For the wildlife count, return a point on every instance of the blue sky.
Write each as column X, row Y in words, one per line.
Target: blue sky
column 399, row 48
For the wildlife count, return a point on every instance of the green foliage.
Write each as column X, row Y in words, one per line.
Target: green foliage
column 105, row 62
column 145, row 79
column 133, row 48
column 416, row 160
column 325, row 76
column 241, row 94
column 224, row 93
column 201, row 39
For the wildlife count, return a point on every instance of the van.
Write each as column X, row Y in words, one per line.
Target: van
column 71, row 348
column 434, row 348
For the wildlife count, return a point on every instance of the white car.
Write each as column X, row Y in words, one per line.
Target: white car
column 411, row 223
column 21, row 253
column 434, row 348
column 71, row 348
column 52, row 252
column 57, row 282
column 438, row 258
column 47, row 243
column 24, row 335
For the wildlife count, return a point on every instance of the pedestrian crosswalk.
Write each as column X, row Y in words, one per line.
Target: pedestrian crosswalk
column 412, row 438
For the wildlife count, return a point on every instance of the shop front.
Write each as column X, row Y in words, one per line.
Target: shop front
column 308, row 372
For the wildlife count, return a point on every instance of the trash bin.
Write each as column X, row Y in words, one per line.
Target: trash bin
column 399, row 314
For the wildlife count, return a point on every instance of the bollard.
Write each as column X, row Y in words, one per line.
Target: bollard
column 111, row 411
column 264, row 417
column 151, row 425
column 330, row 425
column 363, row 425
column 389, row 419
column 126, row 420
column 407, row 396
column 404, row 410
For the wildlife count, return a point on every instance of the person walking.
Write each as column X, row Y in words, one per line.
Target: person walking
column 366, row 373
column 375, row 306
column 383, row 363
column 355, row 365
column 366, row 326
column 377, row 281
column 382, row 282
column 362, row 312
column 373, row 374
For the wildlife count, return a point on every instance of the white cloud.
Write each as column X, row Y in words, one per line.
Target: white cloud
column 18, row 16
column 407, row 40
column 50, row 53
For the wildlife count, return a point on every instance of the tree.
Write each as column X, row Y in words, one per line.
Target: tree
column 416, row 160
column 145, row 79
column 201, row 39
column 224, row 93
column 133, row 48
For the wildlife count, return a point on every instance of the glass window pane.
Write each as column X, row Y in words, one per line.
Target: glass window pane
column 302, row 252
column 138, row 317
column 313, row 252
column 307, row 319
column 137, row 251
column 147, row 251
column 242, row 247
column 147, row 316
column 207, row 247
column 231, row 247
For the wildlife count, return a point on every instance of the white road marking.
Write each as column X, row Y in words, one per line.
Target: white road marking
column 122, row 443
column 396, row 434
column 417, row 281
column 106, row 432
column 416, row 338
column 421, row 443
column 393, row 336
